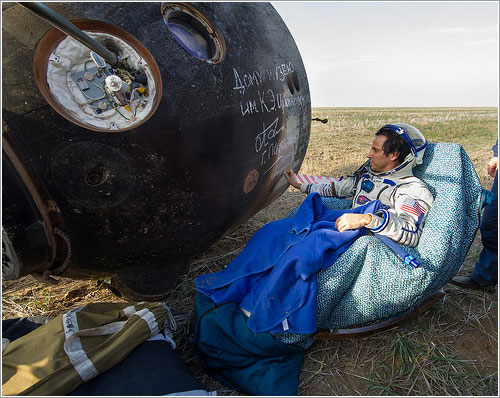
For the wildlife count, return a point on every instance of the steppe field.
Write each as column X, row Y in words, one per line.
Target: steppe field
column 451, row 349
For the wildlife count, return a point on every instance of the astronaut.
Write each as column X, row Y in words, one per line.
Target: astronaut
column 387, row 176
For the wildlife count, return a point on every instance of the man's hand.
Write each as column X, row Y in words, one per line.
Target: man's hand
column 492, row 166
column 352, row 221
column 291, row 177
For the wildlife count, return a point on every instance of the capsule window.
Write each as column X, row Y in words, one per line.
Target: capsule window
column 192, row 30
column 191, row 37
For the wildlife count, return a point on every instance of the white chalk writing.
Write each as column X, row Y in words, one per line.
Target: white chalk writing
column 284, row 162
column 249, row 79
column 243, row 81
column 265, row 101
column 268, row 133
column 270, row 101
column 274, row 150
column 249, row 107
column 273, row 146
column 279, row 72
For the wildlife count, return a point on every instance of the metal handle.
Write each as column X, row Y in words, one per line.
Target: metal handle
column 71, row 30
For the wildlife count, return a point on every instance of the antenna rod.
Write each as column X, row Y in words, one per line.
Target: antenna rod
column 71, row 30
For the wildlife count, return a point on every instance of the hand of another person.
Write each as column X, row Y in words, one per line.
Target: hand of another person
column 349, row 221
column 292, row 179
column 492, row 166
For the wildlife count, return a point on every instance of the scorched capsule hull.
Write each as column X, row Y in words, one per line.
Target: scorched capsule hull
column 136, row 194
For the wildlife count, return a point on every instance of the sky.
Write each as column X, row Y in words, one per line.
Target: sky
column 397, row 54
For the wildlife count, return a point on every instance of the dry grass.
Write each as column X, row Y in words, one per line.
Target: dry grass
column 450, row 350
column 338, row 147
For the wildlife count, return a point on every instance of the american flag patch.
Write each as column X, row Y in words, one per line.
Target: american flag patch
column 412, row 206
column 315, row 179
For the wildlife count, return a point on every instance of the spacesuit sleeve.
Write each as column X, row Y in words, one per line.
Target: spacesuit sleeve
column 344, row 188
column 403, row 222
column 322, row 189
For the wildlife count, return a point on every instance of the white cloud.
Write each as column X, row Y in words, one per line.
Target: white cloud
column 337, row 62
column 455, row 29
column 438, row 53
column 483, row 29
column 477, row 43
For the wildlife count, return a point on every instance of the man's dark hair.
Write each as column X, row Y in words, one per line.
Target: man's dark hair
column 394, row 143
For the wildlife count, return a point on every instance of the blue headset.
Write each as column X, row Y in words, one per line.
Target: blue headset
column 402, row 132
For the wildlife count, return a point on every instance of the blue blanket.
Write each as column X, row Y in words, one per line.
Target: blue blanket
column 274, row 277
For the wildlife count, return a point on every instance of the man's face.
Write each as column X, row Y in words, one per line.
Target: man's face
column 379, row 161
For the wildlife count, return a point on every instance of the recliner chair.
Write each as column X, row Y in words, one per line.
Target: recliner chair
column 370, row 285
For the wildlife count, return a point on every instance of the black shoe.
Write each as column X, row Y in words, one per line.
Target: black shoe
column 469, row 283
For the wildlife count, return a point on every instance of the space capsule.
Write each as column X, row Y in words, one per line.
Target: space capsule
column 128, row 159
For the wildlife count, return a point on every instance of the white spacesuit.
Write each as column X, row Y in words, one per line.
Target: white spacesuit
column 406, row 198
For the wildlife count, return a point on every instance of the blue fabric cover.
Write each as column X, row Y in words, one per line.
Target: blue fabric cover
column 370, row 282
column 486, row 268
column 252, row 363
column 274, row 277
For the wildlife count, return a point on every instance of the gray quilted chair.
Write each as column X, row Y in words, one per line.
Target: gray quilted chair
column 369, row 282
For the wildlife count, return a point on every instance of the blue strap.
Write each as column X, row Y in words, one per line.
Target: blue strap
column 408, row 259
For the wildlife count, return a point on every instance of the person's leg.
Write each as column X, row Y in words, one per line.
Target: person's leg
column 485, row 274
column 486, row 268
